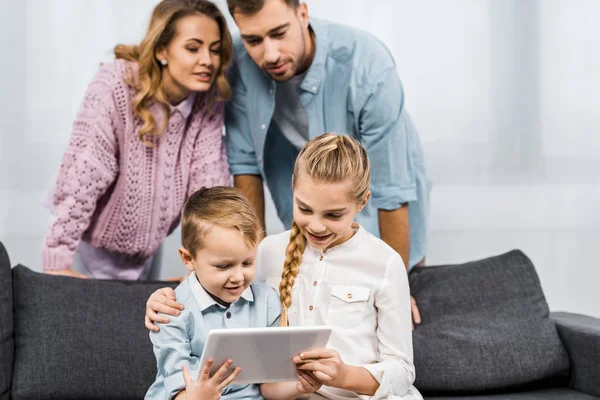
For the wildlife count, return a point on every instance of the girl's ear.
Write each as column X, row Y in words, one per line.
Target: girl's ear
column 364, row 201
column 186, row 257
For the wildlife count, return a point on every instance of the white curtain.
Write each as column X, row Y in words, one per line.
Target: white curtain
column 504, row 93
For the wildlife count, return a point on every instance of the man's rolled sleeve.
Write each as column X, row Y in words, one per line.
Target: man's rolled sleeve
column 385, row 132
column 238, row 138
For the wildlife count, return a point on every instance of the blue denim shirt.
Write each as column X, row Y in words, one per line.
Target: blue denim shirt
column 182, row 340
column 352, row 87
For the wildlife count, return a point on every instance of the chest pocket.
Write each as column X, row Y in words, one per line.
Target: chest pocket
column 347, row 305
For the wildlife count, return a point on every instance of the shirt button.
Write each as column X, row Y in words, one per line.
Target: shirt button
column 314, row 88
column 259, row 159
column 321, row 258
column 263, row 126
column 315, row 283
column 228, row 314
column 311, row 308
column 349, row 295
column 271, row 91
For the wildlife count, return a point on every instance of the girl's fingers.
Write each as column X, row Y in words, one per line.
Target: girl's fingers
column 323, row 377
column 230, row 378
column 316, row 354
column 168, row 307
column 314, row 367
column 154, row 317
column 149, row 325
column 309, row 378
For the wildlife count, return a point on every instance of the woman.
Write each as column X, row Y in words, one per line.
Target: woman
column 148, row 134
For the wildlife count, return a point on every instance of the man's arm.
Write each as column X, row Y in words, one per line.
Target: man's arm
column 252, row 187
column 395, row 231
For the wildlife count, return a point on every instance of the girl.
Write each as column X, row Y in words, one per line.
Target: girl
column 148, row 133
column 219, row 235
column 330, row 270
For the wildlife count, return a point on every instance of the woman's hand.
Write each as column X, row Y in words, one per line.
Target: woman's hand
column 325, row 365
column 206, row 387
column 67, row 272
column 163, row 301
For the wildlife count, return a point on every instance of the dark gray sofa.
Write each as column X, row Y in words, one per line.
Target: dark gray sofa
column 64, row 338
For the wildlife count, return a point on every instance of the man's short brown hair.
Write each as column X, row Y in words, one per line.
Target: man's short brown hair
column 250, row 7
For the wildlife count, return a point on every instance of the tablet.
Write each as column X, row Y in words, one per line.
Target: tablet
column 264, row 354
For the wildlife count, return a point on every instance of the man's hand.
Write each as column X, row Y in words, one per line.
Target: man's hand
column 163, row 301
column 416, row 316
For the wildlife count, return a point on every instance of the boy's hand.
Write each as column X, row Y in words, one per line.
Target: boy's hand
column 308, row 383
column 206, row 387
column 163, row 301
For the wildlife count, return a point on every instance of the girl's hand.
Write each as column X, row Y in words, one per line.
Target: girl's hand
column 67, row 272
column 206, row 387
column 325, row 365
column 308, row 383
column 162, row 300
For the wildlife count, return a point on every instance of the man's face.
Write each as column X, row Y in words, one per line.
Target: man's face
column 275, row 38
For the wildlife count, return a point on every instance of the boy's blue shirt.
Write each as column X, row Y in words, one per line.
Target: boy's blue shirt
column 182, row 340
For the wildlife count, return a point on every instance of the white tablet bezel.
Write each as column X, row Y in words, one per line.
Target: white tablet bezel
column 264, row 354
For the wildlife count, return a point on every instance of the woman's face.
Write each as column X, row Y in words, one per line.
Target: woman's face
column 193, row 57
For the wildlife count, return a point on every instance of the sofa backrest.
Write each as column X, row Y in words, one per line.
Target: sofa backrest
column 485, row 328
column 80, row 338
column 6, row 325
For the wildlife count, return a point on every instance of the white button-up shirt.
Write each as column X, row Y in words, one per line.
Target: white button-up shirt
column 361, row 289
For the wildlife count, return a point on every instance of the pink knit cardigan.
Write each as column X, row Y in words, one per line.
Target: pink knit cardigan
column 119, row 194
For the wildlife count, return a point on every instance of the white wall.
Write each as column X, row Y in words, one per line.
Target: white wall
column 504, row 93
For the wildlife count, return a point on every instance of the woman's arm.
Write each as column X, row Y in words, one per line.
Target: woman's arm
column 89, row 166
column 209, row 160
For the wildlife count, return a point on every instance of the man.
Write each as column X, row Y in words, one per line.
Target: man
column 294, row 78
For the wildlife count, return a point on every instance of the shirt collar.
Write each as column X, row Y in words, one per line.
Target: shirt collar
column 185, row 107
column 204, row 299
column 316, row 72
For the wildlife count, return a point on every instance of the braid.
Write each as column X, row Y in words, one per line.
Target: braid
column 291, row 267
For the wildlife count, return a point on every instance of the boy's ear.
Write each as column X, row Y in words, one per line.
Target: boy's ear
column 186, row 257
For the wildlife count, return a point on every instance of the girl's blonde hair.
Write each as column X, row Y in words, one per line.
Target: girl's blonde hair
column 161, row 30
column 328, row 158
column 220, row 205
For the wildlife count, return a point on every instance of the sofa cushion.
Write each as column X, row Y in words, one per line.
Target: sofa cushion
column 80, row 339
column 6, row 325
column 485, row 326
column 547, row 394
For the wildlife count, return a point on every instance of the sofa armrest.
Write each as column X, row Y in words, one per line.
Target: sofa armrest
column 581, row 337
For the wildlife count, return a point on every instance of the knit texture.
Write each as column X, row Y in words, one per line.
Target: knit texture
column 119, row 194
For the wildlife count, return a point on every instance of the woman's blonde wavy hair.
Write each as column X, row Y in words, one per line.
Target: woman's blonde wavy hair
column 161, row 30
column 328, row 158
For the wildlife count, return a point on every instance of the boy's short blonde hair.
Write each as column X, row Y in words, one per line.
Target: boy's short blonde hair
column 220, row 205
